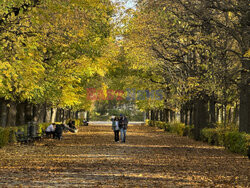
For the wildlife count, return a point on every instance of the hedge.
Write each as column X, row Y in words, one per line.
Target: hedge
column 232, row 140
column 7, row 136
column 228, row 136
column 177, row 128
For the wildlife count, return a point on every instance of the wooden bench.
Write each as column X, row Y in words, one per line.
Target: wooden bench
column 21, row 137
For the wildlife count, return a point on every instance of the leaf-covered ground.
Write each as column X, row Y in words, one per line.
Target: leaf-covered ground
column 149, row 158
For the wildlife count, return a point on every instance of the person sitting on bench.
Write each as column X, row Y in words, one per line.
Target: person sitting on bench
column 58, row 131
column 71, row 125
column 85, row 122
column 50, row 130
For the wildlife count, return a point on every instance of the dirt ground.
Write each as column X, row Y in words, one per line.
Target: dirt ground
column 149, row 158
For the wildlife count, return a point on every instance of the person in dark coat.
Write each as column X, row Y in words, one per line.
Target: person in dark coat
column 59, row 131
column 123, row 125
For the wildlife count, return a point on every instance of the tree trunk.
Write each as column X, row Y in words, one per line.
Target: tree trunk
column 87, row 115
column 156, row 115
column 152, row 115
column 167, row 115
column 229, row 115
column 161, row 115
column 20, row 116
column 222, row 114
column 41, row 113
column 63, row 116
column 58, row 115
column 182, row 115
column 212, row 111
column 53, row 116
column 225, row 115
column 69, row 114
column 172, row 116
column 11, row 118
column 245, row 96
column 186, row 116
column 147, row 114
column 28, row 112
column 3, row 112
column 217, row 114
column 77, row 115
column 191, row 116
column 201, row 117
column 38, row 113
column 47, row 115
column 236, row 114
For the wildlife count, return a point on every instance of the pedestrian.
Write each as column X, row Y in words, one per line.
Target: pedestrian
column 123, row 125
column 115, row 127
column 50, row 130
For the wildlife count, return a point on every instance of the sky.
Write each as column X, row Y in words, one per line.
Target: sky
column 127, row 3
column 130, row 4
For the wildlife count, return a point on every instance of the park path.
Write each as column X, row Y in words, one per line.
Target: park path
column 149, row 158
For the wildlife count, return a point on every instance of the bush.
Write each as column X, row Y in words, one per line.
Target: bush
column 151, row 123
column 229, row 138
column 12, row 135
column 213, row 136
column 189, row 131
column 177, row 128
column 42, row 126
column 4, row 137
column 160, row 124
column 236, row 142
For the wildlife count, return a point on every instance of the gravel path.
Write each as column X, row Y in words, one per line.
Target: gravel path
column 149, row 158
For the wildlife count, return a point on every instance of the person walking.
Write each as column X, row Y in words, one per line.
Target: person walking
column 123, row 125
column 115, row 127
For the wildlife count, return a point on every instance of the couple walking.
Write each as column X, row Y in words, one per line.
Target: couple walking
column 120, row 124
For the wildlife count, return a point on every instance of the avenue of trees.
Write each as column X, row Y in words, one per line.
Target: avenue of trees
column 50, row 52
column 196, row 52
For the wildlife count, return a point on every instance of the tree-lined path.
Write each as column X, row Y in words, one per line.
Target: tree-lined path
column 150, row 157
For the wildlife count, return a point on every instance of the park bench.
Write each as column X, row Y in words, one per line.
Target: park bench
column 22, row 138
column 30, row 135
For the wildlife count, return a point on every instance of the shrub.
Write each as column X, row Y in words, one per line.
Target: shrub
column 236, row 142
column 160, row 124
column 177, row 128
column 209, row 135
column 151, row 123
column 229, row 138
column 188, row 131
column 213, row 136
column 12, row 135
column 4, row 136
column 42, row 126
column 78, row 122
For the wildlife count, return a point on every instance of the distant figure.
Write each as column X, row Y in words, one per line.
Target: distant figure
column 71, row 125
column 58, row 131
column 50, row 130
column 123, row 125
column 115, row 127
column 85, row 122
